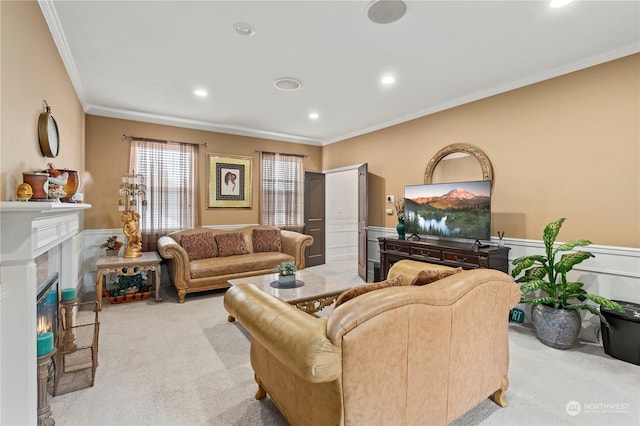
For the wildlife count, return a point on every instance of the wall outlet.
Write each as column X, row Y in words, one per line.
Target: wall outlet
column 390, row 199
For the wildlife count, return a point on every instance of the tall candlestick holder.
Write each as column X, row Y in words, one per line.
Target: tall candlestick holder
column 133, row 193
column 69, row 339
column 44, row 409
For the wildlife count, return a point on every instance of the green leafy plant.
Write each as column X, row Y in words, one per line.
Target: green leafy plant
column 112, row 243
column 130, row 284
column 549, row 275
column 286, row 268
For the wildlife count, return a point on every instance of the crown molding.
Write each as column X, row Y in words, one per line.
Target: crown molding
column 51, row 17
column 198, row 125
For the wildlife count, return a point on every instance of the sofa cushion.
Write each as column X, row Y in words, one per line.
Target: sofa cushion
column 427, row 276
column 200, row 245
column 265, row 240
column 357, row 291
column 241, row 264
column 231, row 244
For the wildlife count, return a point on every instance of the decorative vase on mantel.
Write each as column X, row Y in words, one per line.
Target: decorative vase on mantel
column 400, row 229
column 113, row 252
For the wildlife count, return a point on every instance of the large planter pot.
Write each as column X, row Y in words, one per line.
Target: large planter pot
column 557, row 328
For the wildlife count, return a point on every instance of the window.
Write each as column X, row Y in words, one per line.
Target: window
column 170, row 173
column 282, row 189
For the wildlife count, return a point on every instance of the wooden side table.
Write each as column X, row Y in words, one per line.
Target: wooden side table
column 149, row 261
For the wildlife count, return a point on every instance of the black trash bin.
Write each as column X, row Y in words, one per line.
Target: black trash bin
column 623, row 342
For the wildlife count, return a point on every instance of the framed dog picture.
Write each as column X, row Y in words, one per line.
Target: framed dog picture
column 229, row 181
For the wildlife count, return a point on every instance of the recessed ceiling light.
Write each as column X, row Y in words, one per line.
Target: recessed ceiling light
column 200, row 92
column 388, row 79
column 287, row 84
column 559, row 3
column 386, row 11
column 314, row 116
column 243, row 28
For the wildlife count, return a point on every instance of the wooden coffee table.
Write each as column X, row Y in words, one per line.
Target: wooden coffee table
column 317, row 292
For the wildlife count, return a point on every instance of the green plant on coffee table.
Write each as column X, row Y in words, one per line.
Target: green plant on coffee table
column 286, row 268
column 130, row 284
column 549, row 275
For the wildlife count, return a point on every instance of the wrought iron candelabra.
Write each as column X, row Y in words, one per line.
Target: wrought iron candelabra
column 133, row 196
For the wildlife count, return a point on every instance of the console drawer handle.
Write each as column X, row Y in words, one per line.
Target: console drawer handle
column 460, row 259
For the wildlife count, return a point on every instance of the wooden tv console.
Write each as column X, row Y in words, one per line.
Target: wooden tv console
column 441, row 253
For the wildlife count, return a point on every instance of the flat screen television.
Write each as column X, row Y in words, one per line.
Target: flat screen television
column 452, row 210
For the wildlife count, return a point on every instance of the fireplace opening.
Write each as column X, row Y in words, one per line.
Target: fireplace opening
column 47, row 307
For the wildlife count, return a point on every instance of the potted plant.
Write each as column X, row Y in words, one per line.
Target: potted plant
column 555, row 312
column 286, row 273
column 129, row 287
column 112, row 245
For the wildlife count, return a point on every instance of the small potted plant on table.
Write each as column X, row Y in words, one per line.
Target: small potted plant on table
column 286, row 273
column 112, row 245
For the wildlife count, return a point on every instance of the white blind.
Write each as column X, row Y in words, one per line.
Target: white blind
column 169, row 170
column 282, row 189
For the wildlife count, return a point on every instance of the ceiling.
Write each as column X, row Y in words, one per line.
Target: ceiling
column 142, row 60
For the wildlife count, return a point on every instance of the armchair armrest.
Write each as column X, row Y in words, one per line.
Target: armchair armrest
column 295, row 338
column 294, row 244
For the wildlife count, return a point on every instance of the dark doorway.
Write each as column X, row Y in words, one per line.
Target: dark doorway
column 363, row 219
column 314, row 217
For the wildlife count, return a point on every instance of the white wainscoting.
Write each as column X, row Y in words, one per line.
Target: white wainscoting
column 613, row 273
column 341, row 240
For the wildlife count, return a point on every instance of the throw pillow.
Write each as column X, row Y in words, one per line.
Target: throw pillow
column 230, row 244
column 200, row 245
column 357, row 291
column 266, row 240
column 427, row 276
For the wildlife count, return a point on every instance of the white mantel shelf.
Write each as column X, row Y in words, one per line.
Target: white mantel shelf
column 28, row 229
column 43, row 207
column 31, row 228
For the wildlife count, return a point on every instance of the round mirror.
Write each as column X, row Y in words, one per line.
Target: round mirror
column 459, row 162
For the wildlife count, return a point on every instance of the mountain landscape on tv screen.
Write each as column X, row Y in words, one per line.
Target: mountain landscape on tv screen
column 458, row 213
column 455, row 199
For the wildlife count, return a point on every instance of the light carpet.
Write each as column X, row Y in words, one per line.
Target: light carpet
column 184, row 364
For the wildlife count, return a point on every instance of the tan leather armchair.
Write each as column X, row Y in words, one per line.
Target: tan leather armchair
column 399, row 355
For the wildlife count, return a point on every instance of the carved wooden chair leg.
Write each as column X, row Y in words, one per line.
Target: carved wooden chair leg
column 498, row 396
column 261, row 393
column 181, row 295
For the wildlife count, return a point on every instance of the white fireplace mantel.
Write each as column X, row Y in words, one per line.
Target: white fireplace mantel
column 28, row 229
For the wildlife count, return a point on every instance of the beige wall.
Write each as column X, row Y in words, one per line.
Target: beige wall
column 108, row 160
column 569, row 146
column 32, row 71
column 566, row 147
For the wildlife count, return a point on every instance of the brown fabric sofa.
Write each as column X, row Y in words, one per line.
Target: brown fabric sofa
column 200, row 259
column 398, row 355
